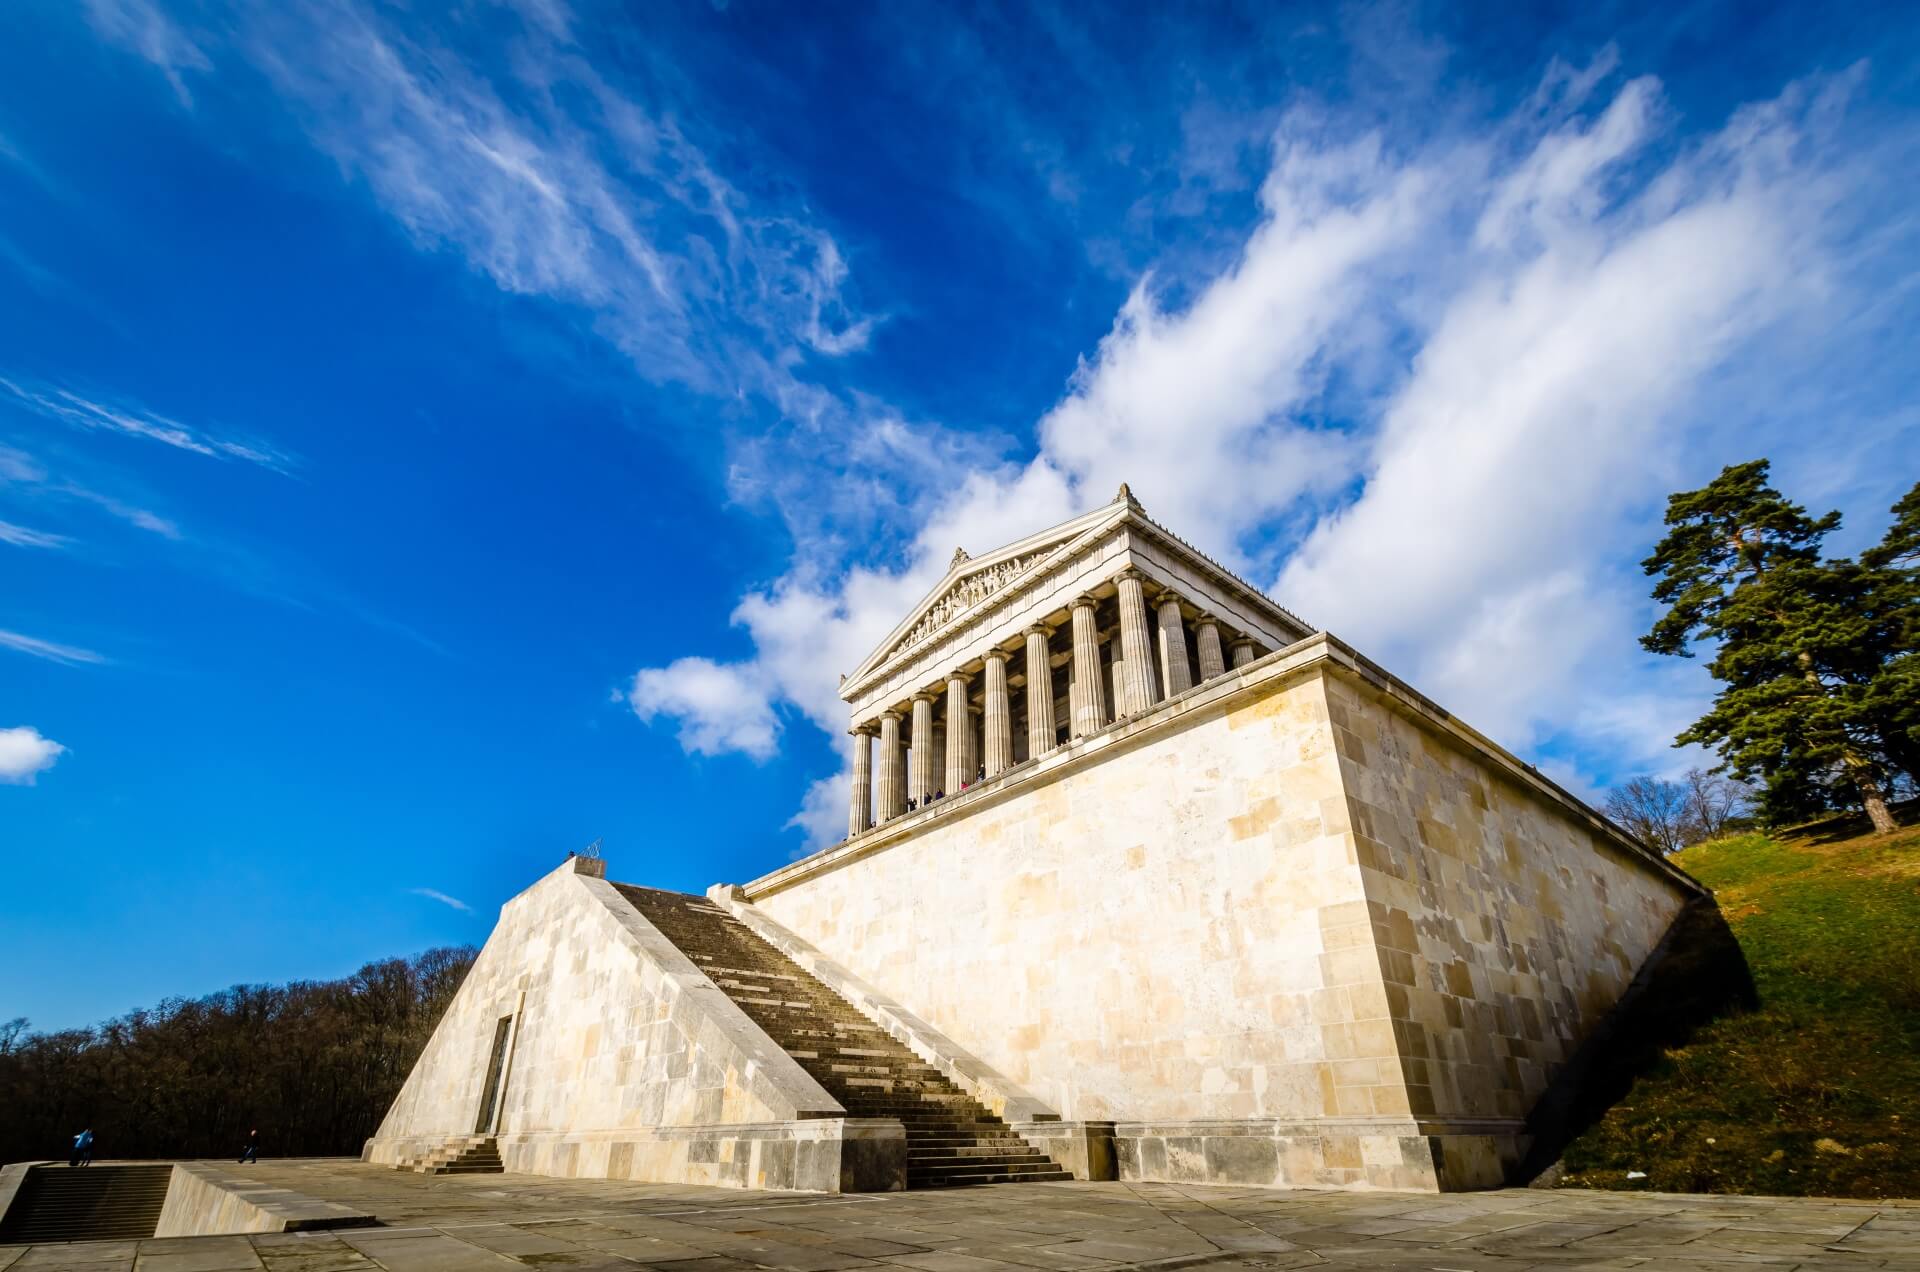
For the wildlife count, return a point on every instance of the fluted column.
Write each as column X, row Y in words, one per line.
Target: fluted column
column 997, row 718
column 1175, row 671
column 960, row 763
column 1206, row 634
column 1242, row 652
column 860, row 813
column 893, row 790
column 1135, row 689
column 1040, row 726
column 1088, row 695
column 920, row 775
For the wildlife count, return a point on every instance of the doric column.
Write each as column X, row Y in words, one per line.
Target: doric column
column 860, row 813
column 1135, row 689
column 1175, row 670
column 920, row 774
column 1040, row 726
column 960, row 765
column 1206, row 634
column 1242, row 652
column 893, row 789
column 1088, row 695
column 997, row 719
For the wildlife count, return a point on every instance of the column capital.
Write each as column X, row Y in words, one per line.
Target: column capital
column 992, row 654
column 890, row 714
column 1086, row 600
column 962, row 676
column 1038, row 629
column 927, row 695
column 866, row 727
column 1130, row 573
column 1167, row 597
column 1206, row 616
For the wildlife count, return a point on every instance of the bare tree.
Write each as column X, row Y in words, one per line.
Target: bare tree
column 1713, row 802
column 1652, row 810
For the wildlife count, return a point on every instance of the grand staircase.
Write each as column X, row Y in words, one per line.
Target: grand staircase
column 86, row 1203
column 461, row 1155
column 951, row 1138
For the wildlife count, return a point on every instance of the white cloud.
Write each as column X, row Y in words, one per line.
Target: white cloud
column 434, row 895
column 553, row 182
column 1526, row 323
column 67, row 654
column 719, row 708
column 26, row 537
column 1547, row 411
column 1190, row 407
column 25, row 754
column 1196, row 409
column 21, row 469
column 71, row 408
column 141, row 26
column 822, row 818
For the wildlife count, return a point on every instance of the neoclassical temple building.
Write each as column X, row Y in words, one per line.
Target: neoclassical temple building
column 1047, row 640
column 1144, row 878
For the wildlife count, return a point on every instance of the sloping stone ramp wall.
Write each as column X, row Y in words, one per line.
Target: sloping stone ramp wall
column 623, row 1061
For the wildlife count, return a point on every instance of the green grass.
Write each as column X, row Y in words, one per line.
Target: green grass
column 1817, row 1093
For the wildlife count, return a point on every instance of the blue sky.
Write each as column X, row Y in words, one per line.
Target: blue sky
column 434, row 438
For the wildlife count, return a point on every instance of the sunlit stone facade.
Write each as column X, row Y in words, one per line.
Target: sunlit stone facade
column 1172, row 884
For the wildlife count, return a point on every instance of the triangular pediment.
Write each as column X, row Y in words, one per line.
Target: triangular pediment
column 972, row 582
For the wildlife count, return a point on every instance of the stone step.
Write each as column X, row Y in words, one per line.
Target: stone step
column 985, row 1177
column 951, row 1138
column 922, row 1155
column 88, row 1203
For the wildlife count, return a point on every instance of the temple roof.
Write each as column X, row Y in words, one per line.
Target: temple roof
column 975, row 583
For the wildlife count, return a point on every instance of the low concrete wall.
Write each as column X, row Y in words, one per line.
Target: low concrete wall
column 204, row 1201
column 828, row 1155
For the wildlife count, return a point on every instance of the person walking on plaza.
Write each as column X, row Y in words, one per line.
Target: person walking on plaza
column 82, row 1148
column 251, row 1153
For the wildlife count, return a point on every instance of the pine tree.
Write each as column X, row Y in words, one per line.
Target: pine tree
column 1803, row 644
column 1896, row 691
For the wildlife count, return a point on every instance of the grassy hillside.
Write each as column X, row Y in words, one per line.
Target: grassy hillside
column 1818, row 1092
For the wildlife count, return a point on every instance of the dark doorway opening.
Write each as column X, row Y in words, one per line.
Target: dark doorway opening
column 496, row 1064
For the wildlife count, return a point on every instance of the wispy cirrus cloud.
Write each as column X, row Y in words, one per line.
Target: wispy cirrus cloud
column 25, row 754
column 29, row 474
column 26, row 537
column 551, row 180
column 68, row 407
column 68, row 655
column 145, row 27
column 433, row 894
column 506, row 145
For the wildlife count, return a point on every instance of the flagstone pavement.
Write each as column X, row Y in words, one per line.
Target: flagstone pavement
column 501, row 1222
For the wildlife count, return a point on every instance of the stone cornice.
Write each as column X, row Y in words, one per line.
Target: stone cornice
column 1058, row 548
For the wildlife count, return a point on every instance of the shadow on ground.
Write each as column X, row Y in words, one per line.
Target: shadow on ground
column 1696, row 975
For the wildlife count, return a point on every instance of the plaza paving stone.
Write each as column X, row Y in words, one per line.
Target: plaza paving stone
column 454, row 1222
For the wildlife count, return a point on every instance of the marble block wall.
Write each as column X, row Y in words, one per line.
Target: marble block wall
column 1296, row 927
column 625, row 1061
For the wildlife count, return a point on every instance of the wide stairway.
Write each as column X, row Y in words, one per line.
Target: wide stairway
column 951, row 1138
column 462, row 1155
column 86, row 1203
